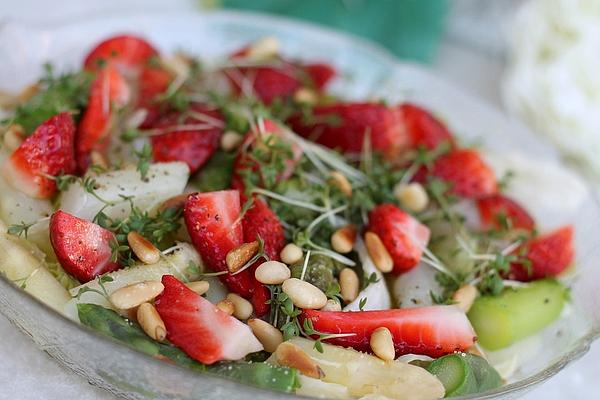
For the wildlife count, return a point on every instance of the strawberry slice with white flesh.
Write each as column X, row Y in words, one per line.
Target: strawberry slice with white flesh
column 215, row 227
column 47, row 152
column 199, row 328
column 433, row 331
column 82, row 247
column 109, row 92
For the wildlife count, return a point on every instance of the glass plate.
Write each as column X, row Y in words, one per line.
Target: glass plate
column 368, row 71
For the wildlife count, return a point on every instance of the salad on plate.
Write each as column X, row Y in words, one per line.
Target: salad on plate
column 236, row 218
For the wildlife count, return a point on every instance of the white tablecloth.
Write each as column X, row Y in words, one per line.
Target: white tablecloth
column 29, row 374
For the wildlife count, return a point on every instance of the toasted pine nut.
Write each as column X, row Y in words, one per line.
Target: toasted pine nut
column 200, row 287
column 272, row 273
column 239, row 256
column 28, row 92
column 305, row 96
column 269, row 336
column 135, row 294
column 178, row 64
column 226, row 306
column 343, row 239
column 174, row 202
column 304, row 294
column 231, row 140
column 465, row 296
column 378, row 253
column 290, row 355
column 150, row 321
column 349, row 285
column 382, row 344
column 266, row 47
column 411, row 196
column 332, row 305
column 291, row 254
column 341, row 182
column 242, row 308
column 13, row 137
column 136, row 118
column 143, row 248
column 98, row 159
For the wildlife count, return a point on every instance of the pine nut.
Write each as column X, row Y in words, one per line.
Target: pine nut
column 242, row 308
column 226, row 306
column 143, row 248
column 239, row 256
column 98, row 159
column 174, row 202
column 178, row 64
column 291, row 254
column 465, row 296
column 269, row 336
column 343, row 239
column 305, row 96
column 378, row 253
column 200, row 287
column 412, row 196
column 28, row 92
column 290, row 355
column 8, row 100
column 332, row 305
column 150, row 321
column 382, row 344
column 231, row 140
column 272, row 273
column 304, row 294
column 341, row 182
column 13, row 137
column 135, row 294
column 264, row 48
column 349, row 285
column 136, row 118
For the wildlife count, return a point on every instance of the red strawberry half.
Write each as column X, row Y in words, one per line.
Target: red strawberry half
column 548, row 255
column 82, row 247
column 423, row 128
column 320, row 74
column 48, row 151
column 124, row 50
column 108, row 93
column 469, row 175
column 266, row 83
column 496, row 208
column 432, row 331
column 199, row 328
column 213, row 222
column 192, row 138
column 402, row 235
column 153, row 81
column 344, row 126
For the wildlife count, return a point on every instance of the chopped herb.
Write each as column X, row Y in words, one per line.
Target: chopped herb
column 144, row 159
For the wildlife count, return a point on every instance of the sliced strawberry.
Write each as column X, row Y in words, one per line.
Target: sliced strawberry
column 108, row 93
column 469, row 175
column 266, row 83
column 496, row 208
column 48, row 151
column 199, row 328
column 213, row 222
column 344, row 126
column 403, row 236
column 259, row 137
column 153, row 81
column 320, row 74
column 423, row 128
column 260, row 221
column 432, row 331
column 82, row 247
column 126, row 51
column 192, row 137
column 548, row 255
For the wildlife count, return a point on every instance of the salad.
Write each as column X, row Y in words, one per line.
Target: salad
column 239, row 219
